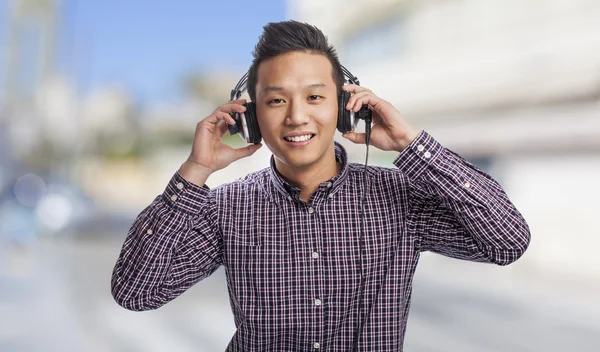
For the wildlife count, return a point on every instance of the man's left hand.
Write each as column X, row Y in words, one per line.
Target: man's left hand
column 390, row 130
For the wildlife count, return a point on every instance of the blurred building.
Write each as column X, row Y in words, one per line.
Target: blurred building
column 29, row 36
column 513, row 86
column 30, row 47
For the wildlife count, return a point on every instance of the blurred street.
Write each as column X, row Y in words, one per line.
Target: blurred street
column 59, row 300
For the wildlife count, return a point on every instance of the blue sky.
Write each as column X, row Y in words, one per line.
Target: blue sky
column 147, row 46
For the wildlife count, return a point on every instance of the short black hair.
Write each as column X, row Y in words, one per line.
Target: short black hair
column 280, row 38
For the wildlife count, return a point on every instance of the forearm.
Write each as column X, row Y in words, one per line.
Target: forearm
column 142, row 266
column 154, row 265
column 475, row 200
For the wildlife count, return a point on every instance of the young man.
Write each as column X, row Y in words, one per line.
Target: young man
column 306, row 270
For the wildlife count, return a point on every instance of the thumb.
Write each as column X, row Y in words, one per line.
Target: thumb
column 358, row 138
column 246, row 151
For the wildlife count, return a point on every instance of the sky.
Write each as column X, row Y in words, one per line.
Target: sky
column 148, row 46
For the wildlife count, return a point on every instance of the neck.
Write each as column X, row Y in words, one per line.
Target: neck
column 308, row 178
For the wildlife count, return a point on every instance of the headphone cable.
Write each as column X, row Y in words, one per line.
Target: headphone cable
column 358, row 332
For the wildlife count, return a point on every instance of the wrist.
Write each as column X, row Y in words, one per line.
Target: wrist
column 194, row 173
column 408, row 138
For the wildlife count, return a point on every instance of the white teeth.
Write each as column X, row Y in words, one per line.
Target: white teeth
column 299, row 138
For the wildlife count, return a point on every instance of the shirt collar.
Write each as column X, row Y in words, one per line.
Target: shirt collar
column 331, row 185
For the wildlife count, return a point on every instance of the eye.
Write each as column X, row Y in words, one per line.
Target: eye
column 275, row 101
column 315, row 97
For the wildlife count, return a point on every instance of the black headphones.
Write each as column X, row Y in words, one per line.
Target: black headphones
column 247, row 126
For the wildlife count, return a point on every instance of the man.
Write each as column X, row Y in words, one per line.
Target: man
column 310, row 265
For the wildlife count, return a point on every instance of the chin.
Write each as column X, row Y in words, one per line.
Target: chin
column 296, row 159
column 300, row 163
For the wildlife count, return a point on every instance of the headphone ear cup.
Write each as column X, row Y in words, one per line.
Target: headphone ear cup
column 237, row 128
column 254, row 135
column 344, row 122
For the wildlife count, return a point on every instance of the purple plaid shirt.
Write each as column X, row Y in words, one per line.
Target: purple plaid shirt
column 293, row 268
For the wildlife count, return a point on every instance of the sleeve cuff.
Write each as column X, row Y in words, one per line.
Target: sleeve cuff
column 418, row 155
column 184, row 196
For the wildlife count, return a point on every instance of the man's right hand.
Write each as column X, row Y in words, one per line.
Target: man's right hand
column 209, row 153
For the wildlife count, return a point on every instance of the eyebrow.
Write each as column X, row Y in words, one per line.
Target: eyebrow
column 279, row 89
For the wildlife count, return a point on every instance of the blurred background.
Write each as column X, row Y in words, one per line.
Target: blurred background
column 98, row 105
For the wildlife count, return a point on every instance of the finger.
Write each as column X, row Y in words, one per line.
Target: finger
column 357, row 138
column 352, row 101
column 233, row 106
column 246, row 151
column 353, row 88
column 223, row 116
column 211, row 122
column 370, row 99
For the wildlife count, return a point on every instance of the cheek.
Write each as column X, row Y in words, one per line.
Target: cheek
column 327, row 118
column 268, row 126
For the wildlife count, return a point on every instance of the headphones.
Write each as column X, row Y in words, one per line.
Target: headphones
column 246, row 124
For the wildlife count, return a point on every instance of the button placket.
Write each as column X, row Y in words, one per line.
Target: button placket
column 316, row 275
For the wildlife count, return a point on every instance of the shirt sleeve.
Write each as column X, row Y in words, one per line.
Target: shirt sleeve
column 173, row 243
column 458, row 210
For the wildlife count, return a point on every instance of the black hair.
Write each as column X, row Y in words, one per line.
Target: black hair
column 280, row 38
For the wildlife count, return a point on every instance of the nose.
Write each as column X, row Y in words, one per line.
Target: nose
column 296, row 114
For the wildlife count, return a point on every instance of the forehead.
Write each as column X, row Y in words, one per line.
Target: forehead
column 295, row 67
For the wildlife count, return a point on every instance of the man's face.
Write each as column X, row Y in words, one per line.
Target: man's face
column 296, row 105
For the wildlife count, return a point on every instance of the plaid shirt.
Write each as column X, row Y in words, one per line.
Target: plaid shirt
column 293, row 268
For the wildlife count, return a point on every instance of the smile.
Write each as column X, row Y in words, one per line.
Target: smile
column 299, row 141
column 303, row 138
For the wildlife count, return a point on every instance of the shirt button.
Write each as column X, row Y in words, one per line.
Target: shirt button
column 180, row 185
column 317, row 302
column 315, row 255
column 427, row 155
column 420, row 147
column 173, row 198
column 316, row 345
column 311, row 210
column 149, row 231
column 467, row 185
column 329, row 184
column 330, row 195
column 289, row 198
